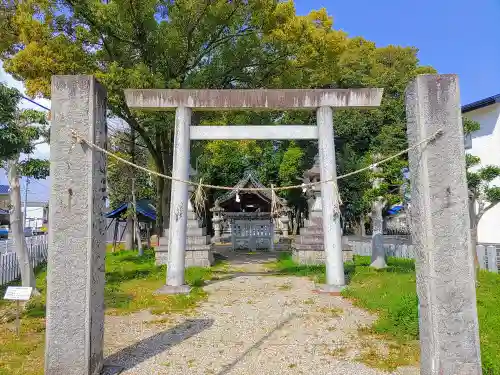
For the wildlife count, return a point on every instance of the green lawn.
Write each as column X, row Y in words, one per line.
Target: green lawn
column 131, row 281
column 130, row 285
column 391, row 293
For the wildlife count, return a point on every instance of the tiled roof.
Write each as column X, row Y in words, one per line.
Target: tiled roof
column 481, row 103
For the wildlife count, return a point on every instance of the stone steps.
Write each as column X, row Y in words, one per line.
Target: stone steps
column 193, row 229
column 310, row 246
column 198, row 244
column 310, row 239
column 311, row 231
column 190, row 240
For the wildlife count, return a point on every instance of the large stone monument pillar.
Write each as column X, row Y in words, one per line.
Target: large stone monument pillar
column 331, row 219
column 449, row 338
column 75, row 274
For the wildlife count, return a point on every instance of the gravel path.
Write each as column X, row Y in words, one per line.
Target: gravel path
column 252, row 323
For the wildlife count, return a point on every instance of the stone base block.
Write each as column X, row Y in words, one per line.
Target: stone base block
column 161, row 257
column 310, row 257
column 307, row 231
column 315, row 257
column 167, row 289
column 199, row 258
column 194, row 258
column 310, row 239
column 319, row 246
column 348, row 255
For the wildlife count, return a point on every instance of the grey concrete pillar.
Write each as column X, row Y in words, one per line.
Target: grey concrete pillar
column 179, row 205
column 378, row 251
column 331, row 219
column 77, row 243
column 449, row 338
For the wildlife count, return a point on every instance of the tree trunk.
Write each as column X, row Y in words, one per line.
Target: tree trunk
column 166, row 204
column 473, row 240
column 129, row 233
column 136, row 221
column 167, row 157
column 160, row 212
column 148, row 236
column 474, row 221
column 16, row 226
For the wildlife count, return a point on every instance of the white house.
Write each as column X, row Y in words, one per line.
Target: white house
column 485, row 143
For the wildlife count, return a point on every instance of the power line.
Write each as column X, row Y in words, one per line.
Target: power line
column 35, row 103
column 39, row 183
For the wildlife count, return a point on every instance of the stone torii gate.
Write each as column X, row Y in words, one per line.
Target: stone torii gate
column 185, row 101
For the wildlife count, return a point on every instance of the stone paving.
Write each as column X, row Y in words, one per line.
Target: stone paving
column 252, row 323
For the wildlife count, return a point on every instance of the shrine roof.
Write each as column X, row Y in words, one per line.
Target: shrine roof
column 249, row 180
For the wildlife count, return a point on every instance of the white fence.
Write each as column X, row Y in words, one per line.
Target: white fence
column 488, row 254
column 9, row 266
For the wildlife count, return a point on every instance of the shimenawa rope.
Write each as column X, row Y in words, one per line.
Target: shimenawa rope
column 79, row 139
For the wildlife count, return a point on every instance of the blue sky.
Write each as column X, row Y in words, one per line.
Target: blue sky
column 454, row 36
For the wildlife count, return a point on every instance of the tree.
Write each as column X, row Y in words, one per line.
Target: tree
column 20, row 131
column 483, row 195
column 151, row 44
column 363, row 134
column 216, row 44
column 120, row 175
column 127, row 184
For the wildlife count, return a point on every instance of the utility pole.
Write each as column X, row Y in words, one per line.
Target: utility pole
column 26, row 202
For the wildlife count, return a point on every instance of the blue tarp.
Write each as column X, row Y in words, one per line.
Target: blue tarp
column 144, row 208
column 394, row 210
column 3, row 212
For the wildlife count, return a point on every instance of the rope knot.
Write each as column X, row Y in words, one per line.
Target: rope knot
column 76, row 137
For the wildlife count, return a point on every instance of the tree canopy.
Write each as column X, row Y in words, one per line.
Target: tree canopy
column 20, row 131
column 219, row 44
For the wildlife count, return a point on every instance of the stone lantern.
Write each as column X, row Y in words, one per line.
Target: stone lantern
column 309, row 244
column 314, row 193
column 285, row 220
column 217, row 219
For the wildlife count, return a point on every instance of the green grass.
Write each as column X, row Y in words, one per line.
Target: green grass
column 488, row 299
column 286, row 266
column 130, row 285
column 391, row 293
column 131, row 282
